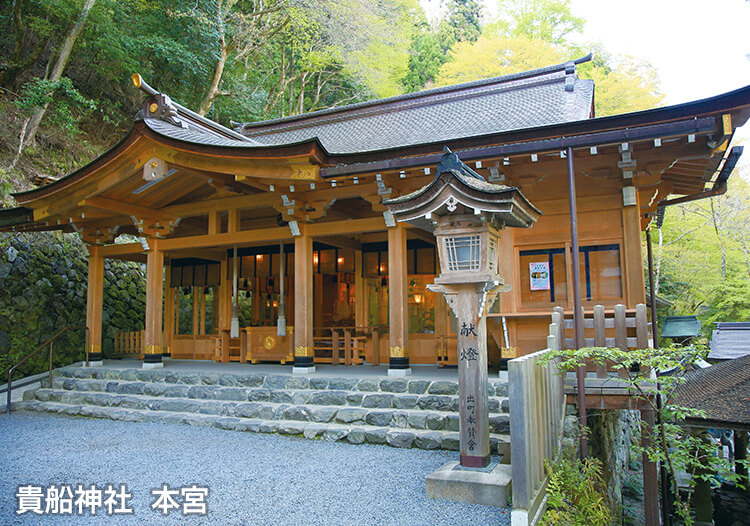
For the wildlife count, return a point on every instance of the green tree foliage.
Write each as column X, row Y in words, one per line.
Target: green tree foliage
column 623, row 84
column 492, row 55
column 702, row 256
column 428, row 52
column 677, row 447
column 546, row 20
column 463, row 19
column 531, row 35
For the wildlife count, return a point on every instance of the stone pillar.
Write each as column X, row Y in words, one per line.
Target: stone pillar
column 398, row 306
column 304, row 355
column 472, row 379
column 154, row 293
column 94, row 304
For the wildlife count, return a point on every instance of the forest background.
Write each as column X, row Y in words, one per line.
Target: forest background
column 66, row 96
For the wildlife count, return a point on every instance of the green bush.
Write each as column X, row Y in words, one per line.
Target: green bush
column 576, row 494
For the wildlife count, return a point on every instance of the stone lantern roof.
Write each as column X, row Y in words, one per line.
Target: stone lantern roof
column 459, row 190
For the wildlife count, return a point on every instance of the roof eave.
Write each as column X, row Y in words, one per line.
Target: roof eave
column 734, row 100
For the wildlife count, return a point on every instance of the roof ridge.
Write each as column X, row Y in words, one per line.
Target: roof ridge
column 556, row 68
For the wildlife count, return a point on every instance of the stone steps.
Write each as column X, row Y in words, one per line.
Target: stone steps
column 497, row 388
column 325, row 397
column 400, row 418
column 400, row 412
column 333, row 431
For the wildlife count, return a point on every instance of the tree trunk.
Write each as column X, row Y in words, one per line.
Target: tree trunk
column 717, row 229
column 213, row 91
column 59, row 67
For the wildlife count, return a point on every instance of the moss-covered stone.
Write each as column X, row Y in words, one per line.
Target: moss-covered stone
column 43, row 281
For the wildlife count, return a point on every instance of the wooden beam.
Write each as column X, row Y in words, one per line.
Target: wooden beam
column 226, row 239
column 68, row 198
column 204, row 253
column 226, row 203
column 122, row 208
column 418, row 233
column 113, row 251
column 353, row 226
column 342, row 242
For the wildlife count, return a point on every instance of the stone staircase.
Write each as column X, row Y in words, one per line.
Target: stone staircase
column 402, row 412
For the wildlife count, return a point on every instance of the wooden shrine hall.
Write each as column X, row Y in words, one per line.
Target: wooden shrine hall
column 270, row 241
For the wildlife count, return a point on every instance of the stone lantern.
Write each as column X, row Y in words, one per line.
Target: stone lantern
column 467, row 215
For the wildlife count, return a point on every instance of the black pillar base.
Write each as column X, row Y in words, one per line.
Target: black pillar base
column 399, row 363
column 95, row 357
column 152, row 358
column 304, row 361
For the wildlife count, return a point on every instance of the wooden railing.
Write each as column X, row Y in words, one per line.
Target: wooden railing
column 129, row 343
column 620, row 327
column 537, row 414
column 347, row 340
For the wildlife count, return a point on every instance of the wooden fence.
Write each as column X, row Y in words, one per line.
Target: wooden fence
column 621, row 328
column 537, row 414
column 129, row 343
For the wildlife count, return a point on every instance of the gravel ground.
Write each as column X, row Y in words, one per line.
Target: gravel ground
column 253, row 479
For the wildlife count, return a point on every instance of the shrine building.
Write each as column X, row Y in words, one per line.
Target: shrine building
column 270, row 242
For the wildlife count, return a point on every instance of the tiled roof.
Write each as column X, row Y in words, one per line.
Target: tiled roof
column 681, row 327
column 730, row 340
column 194, row 134
column 547, row 96
column 722, row 391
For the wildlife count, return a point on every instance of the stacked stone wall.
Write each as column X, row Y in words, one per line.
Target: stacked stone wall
column 43, row 281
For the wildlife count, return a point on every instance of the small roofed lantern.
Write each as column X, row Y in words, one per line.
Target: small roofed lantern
column 467, row 215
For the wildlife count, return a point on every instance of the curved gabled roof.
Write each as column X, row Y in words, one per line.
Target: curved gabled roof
column 541, row 97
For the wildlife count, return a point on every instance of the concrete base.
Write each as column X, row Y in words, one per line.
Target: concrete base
column 399, row 372
column 303, row 370
column 97, row 363
column 153, row 365
column 471, row 486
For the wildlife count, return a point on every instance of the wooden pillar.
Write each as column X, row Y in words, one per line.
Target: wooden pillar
column 94, row 304
column 224, row 297
column 359, row 290
column 196, row 311
column 233, row 220
column 398, row 307
column 214, row 222
column 303, row 304
column 154, row 294
column 634, row 278
column 202, row 308
column 169, row 310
